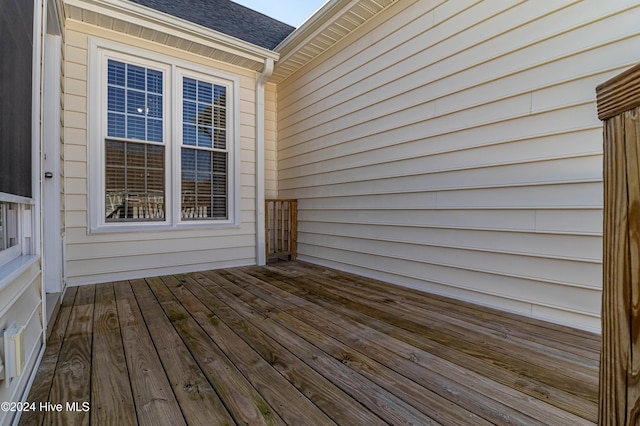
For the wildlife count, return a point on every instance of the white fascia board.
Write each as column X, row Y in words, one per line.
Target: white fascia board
column 171, row 25
column 318, row 22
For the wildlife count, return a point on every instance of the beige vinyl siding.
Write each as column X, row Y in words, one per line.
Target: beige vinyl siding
column 21, row 301
column 99, row 257
column 454, row 147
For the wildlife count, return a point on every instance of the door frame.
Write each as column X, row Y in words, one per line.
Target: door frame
column 52, row 229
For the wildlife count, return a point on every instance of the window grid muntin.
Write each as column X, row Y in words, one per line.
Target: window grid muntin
column 173, row 71
column 134, row 102
column 124, row 202
column 204, row 154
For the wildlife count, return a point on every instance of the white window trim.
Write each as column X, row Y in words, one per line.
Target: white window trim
column 20, row 224
column 173, row 70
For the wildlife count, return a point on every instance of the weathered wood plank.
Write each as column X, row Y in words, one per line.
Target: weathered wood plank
column 71, row 382
column 504, row 406
column 42, row 387
column 467, row 338
column 619, row 94
column 243, row 401
column 333, row 401
column 620, row 365
column 302, row 339
column 154, row 399
column 280, row 394
column 111, row 397
column 324, row 296
column 198, row 400
column 380, row 401
column 566, row 338
column 548, row 366
column 523, row 384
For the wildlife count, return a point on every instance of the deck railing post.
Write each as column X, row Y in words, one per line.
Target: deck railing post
column 619, row 108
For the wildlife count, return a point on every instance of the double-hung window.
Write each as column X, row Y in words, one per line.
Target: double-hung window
column 204, row 150
column 166, row 145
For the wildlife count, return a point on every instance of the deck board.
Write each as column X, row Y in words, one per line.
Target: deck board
column 294, row 343
column 111, row 395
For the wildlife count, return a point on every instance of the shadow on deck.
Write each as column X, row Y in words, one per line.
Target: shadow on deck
column 293, row 343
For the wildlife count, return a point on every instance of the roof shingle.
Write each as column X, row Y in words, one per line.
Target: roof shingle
column 226, row 17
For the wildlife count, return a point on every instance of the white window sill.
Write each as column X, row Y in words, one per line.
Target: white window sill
column 11, row 270
column 141, row 227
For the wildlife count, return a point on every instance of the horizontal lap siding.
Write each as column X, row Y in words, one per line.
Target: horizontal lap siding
column 454, row 147
column 112, row 256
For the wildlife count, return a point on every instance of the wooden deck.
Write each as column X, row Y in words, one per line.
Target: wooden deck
column 293, row 343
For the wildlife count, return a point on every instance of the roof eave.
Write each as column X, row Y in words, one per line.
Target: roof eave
column 176, row 27
column 322, row 30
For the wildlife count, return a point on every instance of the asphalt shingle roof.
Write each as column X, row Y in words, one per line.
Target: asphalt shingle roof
column 226, row 17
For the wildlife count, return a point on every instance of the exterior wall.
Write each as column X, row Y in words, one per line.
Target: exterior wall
column 454, row 147
column 99, row 257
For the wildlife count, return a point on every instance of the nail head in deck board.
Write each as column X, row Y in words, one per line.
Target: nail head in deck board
column 243, row 401
column 333, row 401
column 198, row 400
column 155, row 402
column 291, row 405
column 111, row 396
column 383, row 403
column 71, row 382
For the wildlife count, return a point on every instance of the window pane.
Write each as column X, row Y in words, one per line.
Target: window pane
column 136, row 103
column 154, row 81
column 154, row 106
column 154, row 130
column 135, row 155
column 204, row 184
column 189, row 112
column 134, row 182
column 220, row 139
column 205, row 92
column 116, row 73
column 204, row 136
column 136, row 77
column 155, row 157
column 189, row 89
column 220, row 96
column 136, row 128
column 189, row 134
column 116, row 124
column 220, row 118
column 134, row 112
column 203, row 162
column 116, row 99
